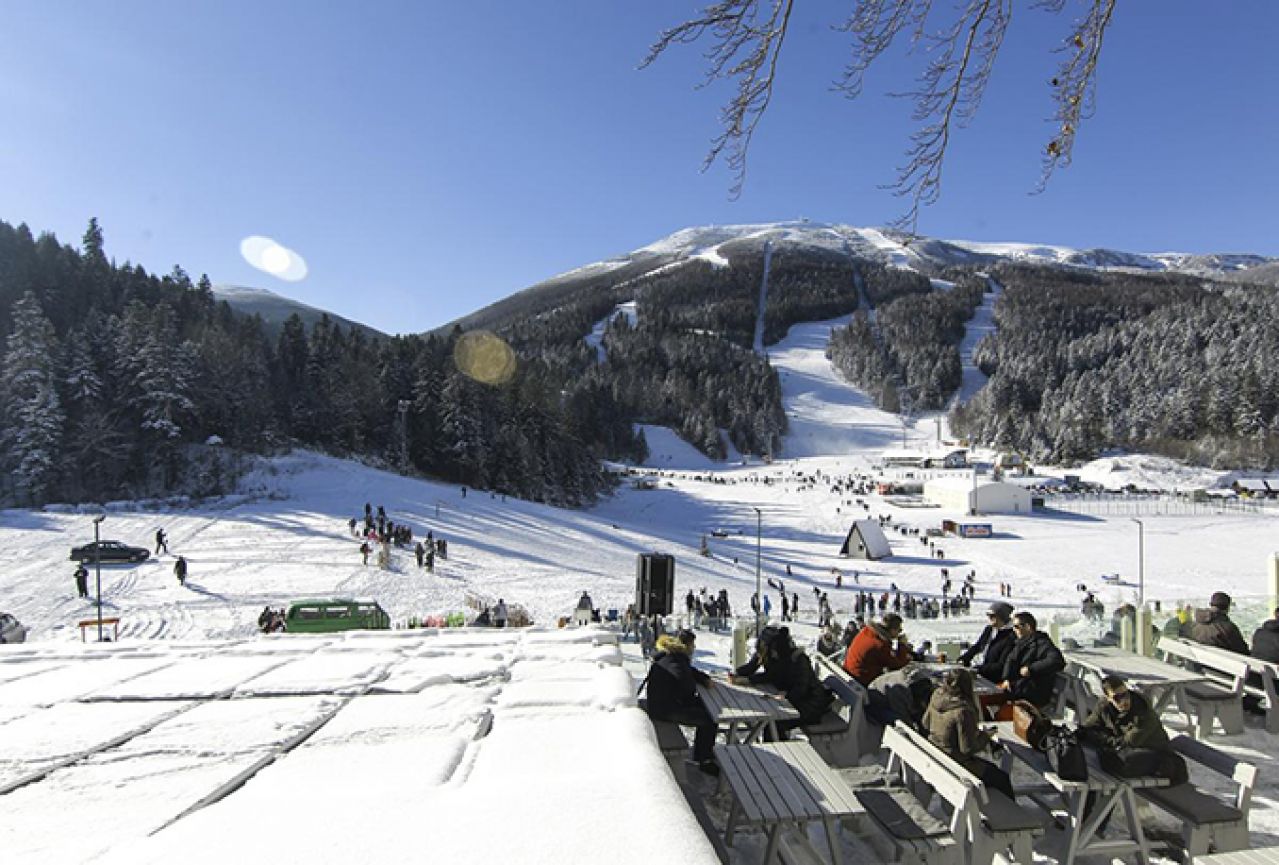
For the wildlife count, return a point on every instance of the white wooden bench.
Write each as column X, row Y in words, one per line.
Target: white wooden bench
column 1269, row 690
column 859, row 735
column 845, row 733
column 1208, row 819
column 1218, row 700
column 998, row 825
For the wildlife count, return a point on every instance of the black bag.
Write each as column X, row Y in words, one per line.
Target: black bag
column 1066, row 755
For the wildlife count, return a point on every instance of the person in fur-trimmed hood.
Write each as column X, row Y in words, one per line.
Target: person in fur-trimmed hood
column 672, row 685
column 1213, row 626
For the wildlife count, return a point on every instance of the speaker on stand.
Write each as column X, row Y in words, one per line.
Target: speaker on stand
column 654, row 584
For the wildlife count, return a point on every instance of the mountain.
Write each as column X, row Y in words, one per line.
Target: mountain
column 274, row 309
column 717, row 244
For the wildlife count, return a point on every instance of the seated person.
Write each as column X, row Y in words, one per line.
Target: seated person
column 1213, row 627
column 996, row 641
column 828, row 644
column 1031, row 669
column 951, row 723
column 899, row 695
column 1265, row 640
column 1130, row 738
column 787, row 668
column 672, row 684
column 872, row 652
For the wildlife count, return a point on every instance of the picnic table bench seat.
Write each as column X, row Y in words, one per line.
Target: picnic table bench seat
column 1208, row 819
column 842, row 744
column 1213, row 701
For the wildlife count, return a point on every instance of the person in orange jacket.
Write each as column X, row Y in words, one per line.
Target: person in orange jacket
column 871, row 652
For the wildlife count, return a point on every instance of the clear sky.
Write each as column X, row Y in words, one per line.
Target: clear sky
column 427, row 158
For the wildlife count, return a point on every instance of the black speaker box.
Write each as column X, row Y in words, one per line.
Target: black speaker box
column 654, row 584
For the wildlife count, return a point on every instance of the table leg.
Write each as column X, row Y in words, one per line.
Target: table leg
column 773, row 835
column 732, row 821
column 831, row 841
column 1135, row 831
column 1075, row 807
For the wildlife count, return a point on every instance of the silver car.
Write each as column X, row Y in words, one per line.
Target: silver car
column 11, row 630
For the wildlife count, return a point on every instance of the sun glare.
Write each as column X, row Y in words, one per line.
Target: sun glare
column 270, row 257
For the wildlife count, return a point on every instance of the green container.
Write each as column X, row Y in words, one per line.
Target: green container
column 327, row 615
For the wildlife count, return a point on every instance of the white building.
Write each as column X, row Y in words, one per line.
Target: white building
column 982, row 497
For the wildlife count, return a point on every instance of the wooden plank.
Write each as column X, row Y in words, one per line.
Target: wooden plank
column 1256, row 856
column 840, row 799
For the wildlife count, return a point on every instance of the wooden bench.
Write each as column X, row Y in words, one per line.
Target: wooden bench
column 844, row 746
column 1219, row 700
column 1269, row 690
column 671, row 741
column 1208, row 819
column 1001, row 826
column 85, row 624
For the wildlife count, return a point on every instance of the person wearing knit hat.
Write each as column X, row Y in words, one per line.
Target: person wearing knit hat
column 1213, row 627
column 996, row 641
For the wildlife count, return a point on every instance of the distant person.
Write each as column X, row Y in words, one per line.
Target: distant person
column 82, row 581
column 672, row 684
column 180, row 570
column 787, row 667
column 582, row 614
column 365, row 549
column 994, row 644
column 872, row 651
column 500, row 614
column 1031, row 669
column 1265, row 640
column 161, row 541
column 420, row 552
column 1180, row 623
column 1213, row 627
column 951, row 722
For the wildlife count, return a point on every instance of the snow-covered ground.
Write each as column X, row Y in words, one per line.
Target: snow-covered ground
column 426, row 743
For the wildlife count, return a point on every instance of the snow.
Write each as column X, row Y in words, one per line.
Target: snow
column 194, row 738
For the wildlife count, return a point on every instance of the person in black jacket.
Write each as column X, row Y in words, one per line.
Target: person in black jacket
column 1265, row 640
column 787, row 668
column 996, row 641
column 672, row 685
column 1033, row 663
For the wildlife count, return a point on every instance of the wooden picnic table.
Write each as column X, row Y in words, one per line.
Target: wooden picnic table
column 782, row 784
column 749, row 709
column 1159, row 682
column 1112, row 793
column 990, row 697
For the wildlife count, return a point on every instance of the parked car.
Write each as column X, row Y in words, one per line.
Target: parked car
column 110, row 551
column 324, row 616
column 11, row 630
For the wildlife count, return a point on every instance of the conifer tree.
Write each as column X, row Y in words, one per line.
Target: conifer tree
column 33, row 415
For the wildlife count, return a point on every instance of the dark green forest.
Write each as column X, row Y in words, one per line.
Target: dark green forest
column 116, row 381
column 1084, row 362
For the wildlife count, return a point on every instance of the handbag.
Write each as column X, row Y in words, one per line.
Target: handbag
column 1066, row 755
column 1029, row 723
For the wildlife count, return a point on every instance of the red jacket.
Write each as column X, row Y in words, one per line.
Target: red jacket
column 871, row 653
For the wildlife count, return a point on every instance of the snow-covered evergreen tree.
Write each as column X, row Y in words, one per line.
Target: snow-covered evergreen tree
column 32, row 410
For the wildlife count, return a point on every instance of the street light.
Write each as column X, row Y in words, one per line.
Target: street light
column 97, row 566
column 759, row 594
column 1141, row 562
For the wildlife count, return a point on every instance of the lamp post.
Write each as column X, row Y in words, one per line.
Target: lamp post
column 1141, row 562
column 97, row 566
column 759, row 594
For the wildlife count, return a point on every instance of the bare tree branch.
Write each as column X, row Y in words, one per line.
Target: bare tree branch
column 746, row 44
column 747, row 38
column 1074, row 87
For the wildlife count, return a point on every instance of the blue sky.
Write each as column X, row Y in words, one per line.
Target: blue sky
column 427, row 158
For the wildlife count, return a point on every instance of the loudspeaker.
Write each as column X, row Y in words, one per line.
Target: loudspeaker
column 654, row 584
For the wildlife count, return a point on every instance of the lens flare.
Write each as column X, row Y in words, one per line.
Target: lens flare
column 484, row 357
column 271, row 257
